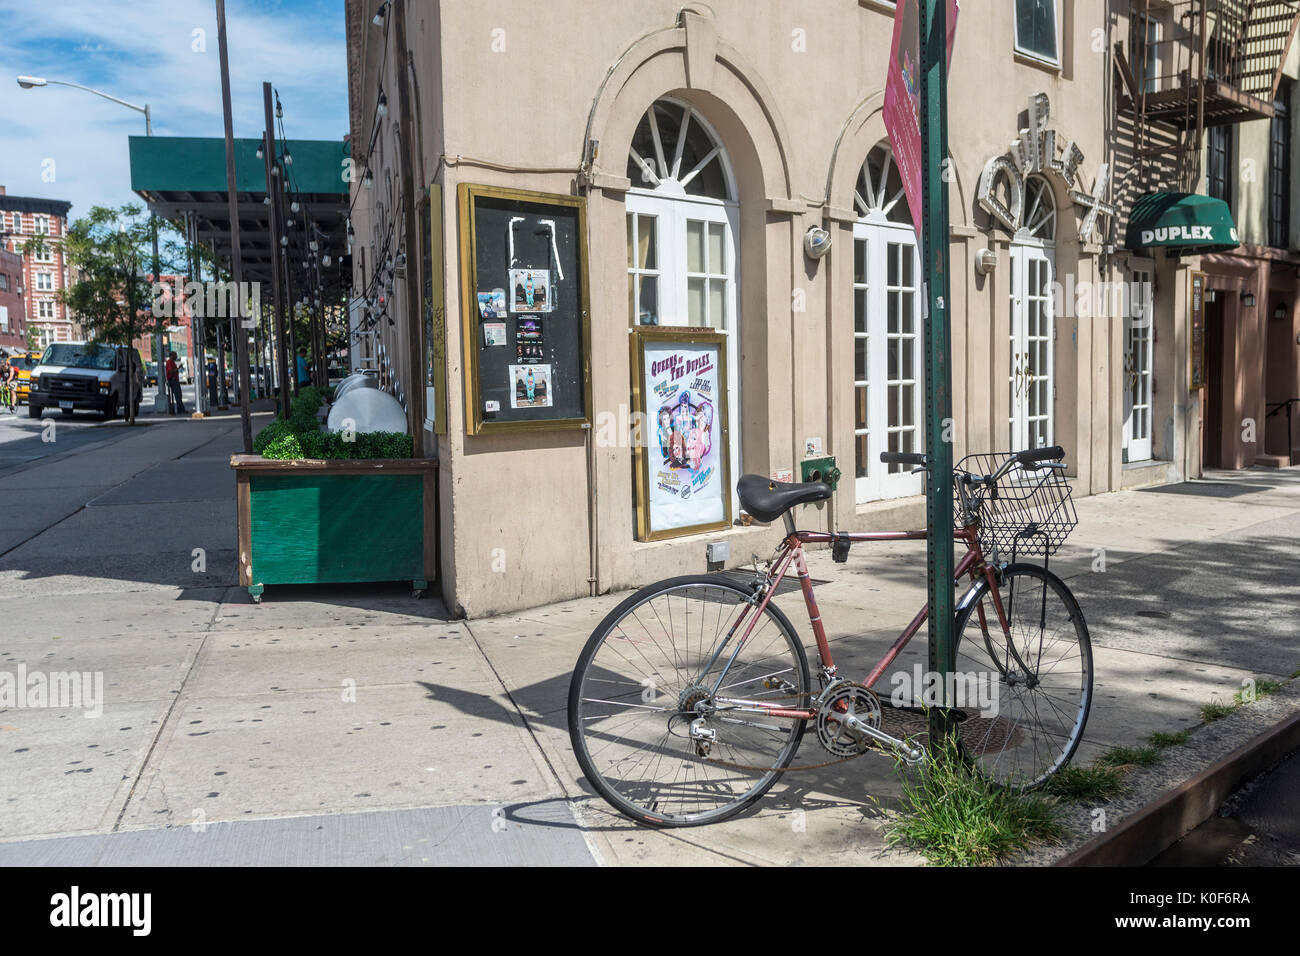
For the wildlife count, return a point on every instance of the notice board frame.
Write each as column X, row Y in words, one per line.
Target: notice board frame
column 469, row 196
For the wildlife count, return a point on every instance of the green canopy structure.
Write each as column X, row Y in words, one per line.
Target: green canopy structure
column 176, row 175
column 1181, row 224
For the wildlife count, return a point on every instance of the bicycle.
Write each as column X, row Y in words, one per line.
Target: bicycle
column 692, row 696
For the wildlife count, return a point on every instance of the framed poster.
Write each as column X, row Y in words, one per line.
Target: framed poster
column 526, row 326
column 1196, row 331
column 679, row 392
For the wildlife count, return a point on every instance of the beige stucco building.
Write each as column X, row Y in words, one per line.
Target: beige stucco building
column 781, row 103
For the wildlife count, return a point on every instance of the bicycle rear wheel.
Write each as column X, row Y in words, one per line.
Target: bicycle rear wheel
column 1032, row 688
column 648, row 673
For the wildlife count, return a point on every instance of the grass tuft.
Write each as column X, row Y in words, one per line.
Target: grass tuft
column 955, row 818
column 1085, row 783
column 1129, row 757
column 1215, row 710
column 1161, row 739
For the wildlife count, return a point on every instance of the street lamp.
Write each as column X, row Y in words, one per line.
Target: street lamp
column 32, row 82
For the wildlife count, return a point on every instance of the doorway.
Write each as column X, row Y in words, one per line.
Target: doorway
column 1212, row 393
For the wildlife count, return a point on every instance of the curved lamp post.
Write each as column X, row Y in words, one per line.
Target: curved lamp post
column 32, row 82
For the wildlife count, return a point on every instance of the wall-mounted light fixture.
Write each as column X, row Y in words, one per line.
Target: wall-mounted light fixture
column 1279, row 312
column 1248, row 299
column 986, row 260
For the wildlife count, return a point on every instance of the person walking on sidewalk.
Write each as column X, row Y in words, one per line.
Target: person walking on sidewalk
column 174, row 384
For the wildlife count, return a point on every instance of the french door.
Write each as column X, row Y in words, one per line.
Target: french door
column 887, row 355
column 682, row 261
column 1138, row 340
column 1032, row 380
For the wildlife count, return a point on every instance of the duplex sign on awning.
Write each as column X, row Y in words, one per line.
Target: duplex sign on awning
column 1181, row 224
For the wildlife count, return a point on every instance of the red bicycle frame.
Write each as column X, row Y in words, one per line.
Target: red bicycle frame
column 790, row 553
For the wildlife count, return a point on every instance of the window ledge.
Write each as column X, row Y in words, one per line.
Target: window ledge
column 1030, row 59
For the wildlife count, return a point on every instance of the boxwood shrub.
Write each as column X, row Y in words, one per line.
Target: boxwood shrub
column 300, row 436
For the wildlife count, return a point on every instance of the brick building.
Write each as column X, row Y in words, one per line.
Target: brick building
column 13, row 321
column 43, row 274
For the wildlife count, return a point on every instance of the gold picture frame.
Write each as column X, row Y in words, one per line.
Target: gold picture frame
column 642, row 336
column 468, row 195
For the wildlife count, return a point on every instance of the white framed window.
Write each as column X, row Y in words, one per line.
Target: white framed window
column 18, row 222
column 41, row 225
column 888, row 341
column 45, row 309
column 1139, row 338
column 1037, row 26
column 43, row 254
column 1032, row 382
column 45, row 281
column 683, row 224
column 1144, row 43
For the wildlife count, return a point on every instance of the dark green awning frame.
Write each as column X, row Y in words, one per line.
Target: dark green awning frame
column 176, row 175
column 1181, row 224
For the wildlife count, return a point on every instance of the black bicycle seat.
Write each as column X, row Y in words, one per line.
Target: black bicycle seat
column 767, row 500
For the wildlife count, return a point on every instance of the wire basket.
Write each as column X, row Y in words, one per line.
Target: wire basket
column 1030, row 512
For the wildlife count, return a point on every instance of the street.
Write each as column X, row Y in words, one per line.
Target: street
column 359, row 725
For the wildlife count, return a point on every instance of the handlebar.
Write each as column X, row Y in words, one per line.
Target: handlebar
column 903, row 458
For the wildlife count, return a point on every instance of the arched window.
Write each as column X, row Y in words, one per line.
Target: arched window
column 888, row 344
column 1032, row 382
column 682, row 226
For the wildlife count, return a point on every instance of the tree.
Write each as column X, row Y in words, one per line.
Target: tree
column 107, row 252
column 33, row 338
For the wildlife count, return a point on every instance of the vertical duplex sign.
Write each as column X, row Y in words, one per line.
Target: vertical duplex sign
column 902, row 112
column 916, row 117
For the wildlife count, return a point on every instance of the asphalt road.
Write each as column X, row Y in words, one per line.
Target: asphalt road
column 24, row 440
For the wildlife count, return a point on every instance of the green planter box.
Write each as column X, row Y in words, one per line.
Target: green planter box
column 335, row 522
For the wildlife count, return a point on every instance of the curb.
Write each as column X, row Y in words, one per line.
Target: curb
column 1157, row 826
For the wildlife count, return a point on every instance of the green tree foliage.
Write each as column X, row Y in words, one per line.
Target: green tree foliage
column 110, row 258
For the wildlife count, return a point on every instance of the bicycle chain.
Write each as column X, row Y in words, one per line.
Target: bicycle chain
column 875, row 746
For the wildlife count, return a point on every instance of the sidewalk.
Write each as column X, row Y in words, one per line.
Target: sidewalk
column 357, row 725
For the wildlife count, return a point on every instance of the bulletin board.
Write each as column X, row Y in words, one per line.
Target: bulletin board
column 526, row 316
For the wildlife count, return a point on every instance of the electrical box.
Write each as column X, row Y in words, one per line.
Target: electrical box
column 717, row 552
column 820, row 469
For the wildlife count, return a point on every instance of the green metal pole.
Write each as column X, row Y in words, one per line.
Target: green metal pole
column 938, row 369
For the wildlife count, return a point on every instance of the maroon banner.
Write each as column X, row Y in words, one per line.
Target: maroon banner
column 902, row 97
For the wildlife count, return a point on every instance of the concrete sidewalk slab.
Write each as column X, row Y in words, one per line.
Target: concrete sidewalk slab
column 540, row 833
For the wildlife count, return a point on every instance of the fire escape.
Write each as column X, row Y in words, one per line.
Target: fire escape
column 1190, row 65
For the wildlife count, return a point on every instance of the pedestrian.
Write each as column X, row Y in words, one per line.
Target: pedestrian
column 212, row 382
column 174, row 383
column 304, row 376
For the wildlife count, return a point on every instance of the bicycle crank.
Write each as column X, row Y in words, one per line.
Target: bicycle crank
column 848, row 722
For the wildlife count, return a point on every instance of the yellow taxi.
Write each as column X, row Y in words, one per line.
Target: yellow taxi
column 24, row 362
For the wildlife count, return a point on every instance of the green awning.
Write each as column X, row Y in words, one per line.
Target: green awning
column 1181, row 224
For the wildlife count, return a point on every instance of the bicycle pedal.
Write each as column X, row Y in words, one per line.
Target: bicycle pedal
column 840, row 547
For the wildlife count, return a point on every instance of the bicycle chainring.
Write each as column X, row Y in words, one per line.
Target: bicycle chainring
column 843, row 699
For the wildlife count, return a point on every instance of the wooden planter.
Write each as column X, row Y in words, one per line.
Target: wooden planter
column 333, row 522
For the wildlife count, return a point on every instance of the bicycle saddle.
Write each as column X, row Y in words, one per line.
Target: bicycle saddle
column 767, row 500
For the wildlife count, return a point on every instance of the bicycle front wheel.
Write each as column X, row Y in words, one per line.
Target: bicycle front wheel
column 1027, row 686
column 646, row 716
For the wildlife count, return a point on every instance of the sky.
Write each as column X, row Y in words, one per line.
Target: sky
column 62, row 143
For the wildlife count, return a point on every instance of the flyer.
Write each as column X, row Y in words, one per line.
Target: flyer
column 492, row 305
column 494, row 333
column 685, row 476
column 531, row 290
column 531, row 386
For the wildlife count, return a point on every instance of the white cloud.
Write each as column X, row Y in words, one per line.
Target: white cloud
column 143, row 52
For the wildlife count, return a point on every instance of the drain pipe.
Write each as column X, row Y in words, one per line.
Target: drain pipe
column 593, row 544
